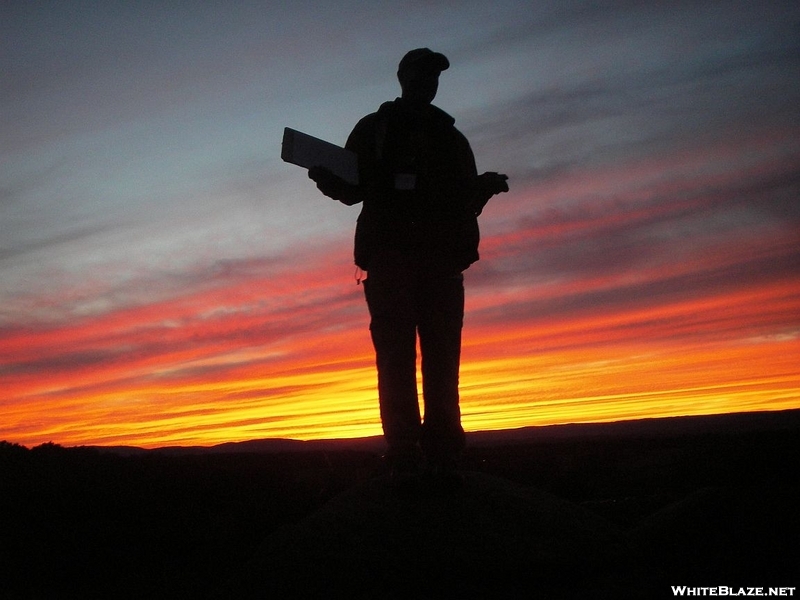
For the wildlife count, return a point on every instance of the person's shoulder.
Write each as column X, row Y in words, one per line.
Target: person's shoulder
column 369, row 121
column 447, row 125
column 385, row 109
column 445, row 119
column 368, row 124
column 366, row 121
column 364, row 131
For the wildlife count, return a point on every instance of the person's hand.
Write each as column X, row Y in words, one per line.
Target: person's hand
column 324, row 178
column 334, row 186
column 492, row 183
column 489, row 184
column 327, row 182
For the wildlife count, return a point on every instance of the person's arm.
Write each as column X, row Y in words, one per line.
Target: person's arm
column 489, row 184
column 481, row 187
column 361, row 141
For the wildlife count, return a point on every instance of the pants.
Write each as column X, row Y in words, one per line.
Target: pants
column 403, row 303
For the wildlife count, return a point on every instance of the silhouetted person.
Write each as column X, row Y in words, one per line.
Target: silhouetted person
column 417, row 232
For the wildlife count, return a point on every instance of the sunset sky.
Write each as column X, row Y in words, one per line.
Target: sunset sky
column 165, row 279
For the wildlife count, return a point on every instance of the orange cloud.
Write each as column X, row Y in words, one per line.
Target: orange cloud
column 620, row 306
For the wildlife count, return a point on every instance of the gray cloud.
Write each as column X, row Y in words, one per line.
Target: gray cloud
column 626, row 298
column 649, row 94
column 610, row 235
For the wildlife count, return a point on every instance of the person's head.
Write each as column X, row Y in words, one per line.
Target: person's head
column 418, row 74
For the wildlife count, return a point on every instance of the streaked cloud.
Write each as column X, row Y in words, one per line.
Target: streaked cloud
column 165, row 279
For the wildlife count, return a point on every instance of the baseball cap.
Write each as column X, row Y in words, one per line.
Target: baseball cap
column 424, row 58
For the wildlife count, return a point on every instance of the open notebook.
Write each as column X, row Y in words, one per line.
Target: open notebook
column 307, row 151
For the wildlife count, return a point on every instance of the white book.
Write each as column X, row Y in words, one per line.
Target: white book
column 307, row 151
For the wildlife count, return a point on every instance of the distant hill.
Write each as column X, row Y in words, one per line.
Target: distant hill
column 657, row 427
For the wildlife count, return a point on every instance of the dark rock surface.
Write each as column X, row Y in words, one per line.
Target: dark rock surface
column 491, row 537
column 582, row 512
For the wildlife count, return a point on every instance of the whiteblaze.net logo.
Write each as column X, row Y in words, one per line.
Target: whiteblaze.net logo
column 723, row 590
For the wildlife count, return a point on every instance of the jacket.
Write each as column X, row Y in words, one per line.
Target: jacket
column 418, row 185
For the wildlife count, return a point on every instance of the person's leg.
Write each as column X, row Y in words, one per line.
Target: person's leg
column 441, row 315
column 389, row 297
